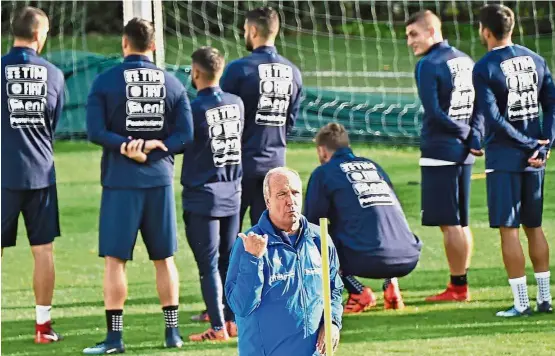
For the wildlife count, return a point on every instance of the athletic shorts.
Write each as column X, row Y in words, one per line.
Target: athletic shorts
column 123, row 212
column 40, row 213
column 445, row 195
column 515, row 198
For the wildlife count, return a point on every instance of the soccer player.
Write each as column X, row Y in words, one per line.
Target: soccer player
column 450, row 138
column 270, row 87
column 32, row 102
column 274, row 283
column 367, row 224
column 140, row 115
column 511, row 83
column 211, row 179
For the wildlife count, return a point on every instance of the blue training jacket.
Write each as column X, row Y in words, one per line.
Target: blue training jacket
column 277, row 299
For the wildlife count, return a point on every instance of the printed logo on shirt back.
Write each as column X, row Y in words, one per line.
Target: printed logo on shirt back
column 145, row 104
column 367, row 183
column 224, row 130
column 276, row 87
column 521, row 79
column 462, row 96
column 27, row 89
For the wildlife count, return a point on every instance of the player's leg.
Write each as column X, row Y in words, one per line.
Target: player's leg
column 441, row 197
column 159, row 232
column 393, row 269
column 504, row 203
column 538, row 248
column 120, row 217
column 229, row 228
column 203, row 235
column 40, row 212
column 361, row 298
column 258, row 204
column 465, row 179
column 246, row 194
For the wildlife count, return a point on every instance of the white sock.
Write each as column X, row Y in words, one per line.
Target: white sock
column 520, row 293
column 43, row 313
column 544, row 294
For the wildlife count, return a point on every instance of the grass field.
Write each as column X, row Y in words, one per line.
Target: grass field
column 421, row 329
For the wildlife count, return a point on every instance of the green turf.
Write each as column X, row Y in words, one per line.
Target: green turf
column 421, row 329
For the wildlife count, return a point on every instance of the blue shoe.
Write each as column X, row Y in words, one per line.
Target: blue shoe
column 514, row 313
column 173, row 339
column 105, row 348
column 544, row 307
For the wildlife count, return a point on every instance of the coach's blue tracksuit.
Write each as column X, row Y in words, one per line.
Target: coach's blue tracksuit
column 367, row 223
column 270, row 87
column 32, row 102
column 277, row 299
column 450, row 127
column 136, row 99
column 211, row 179
column 511, row 83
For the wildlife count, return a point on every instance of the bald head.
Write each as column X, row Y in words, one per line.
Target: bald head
column 423, row 30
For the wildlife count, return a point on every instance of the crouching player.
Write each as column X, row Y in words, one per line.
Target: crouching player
column 211, row 179
column 367, row 224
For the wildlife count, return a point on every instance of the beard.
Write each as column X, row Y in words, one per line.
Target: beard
column 248, row 44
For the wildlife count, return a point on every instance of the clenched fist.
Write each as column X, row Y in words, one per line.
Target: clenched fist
column 254, row 244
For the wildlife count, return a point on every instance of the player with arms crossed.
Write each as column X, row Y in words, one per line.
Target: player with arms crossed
column 137, row 99
column 450, row 138
column 511, row 83
column 367, row 224
column 211, row 179
column 270, row 87
column 32, row 102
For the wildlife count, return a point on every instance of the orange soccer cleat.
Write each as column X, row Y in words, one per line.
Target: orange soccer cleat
column 453, row 293
column 392, row 298
column 231, row 328
column 357, row 303
column 210, row 335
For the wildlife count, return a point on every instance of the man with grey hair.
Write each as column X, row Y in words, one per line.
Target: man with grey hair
column 275, row 277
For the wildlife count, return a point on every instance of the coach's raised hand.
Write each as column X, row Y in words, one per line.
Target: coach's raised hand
column 134, row 150
column 255, row 244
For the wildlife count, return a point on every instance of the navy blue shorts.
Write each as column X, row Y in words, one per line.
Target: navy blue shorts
column 40, row 213
column 445, row 195
column 354, row 263
column 515, row 198
column 123, row 212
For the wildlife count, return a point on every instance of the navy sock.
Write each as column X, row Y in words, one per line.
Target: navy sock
column 114, row 323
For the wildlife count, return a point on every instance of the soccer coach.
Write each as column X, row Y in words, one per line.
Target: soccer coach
column 274, row 282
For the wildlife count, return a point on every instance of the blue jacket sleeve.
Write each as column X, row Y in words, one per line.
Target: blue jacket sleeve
column 229, row 82
column 182, row 133
column 547, row 101
column 59, row 104
column 426, row 81
column 317, row 203
column 244, row 281
column 96, row 121
column 295, row 104
column 486, row 104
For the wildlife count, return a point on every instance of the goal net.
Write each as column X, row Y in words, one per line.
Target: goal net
column 356, row 67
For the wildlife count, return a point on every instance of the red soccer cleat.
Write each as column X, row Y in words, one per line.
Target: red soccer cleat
column 203, row 317
column 453, row 293
column 44, row 334
column 210, row 335
column 231, row 328
column 392, row 298
column 357, row 303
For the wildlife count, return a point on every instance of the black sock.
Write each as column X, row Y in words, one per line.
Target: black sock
column 352, row 285
column 114, row 323
column 459, row 280
column 386, row 283
column 171, row 316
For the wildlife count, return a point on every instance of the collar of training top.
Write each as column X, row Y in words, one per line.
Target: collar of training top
column 209, row 91
column 26, row 50
column 275, row 235
column 137, row 58
column 343, row 151
column 265, row 49
column 441, row 44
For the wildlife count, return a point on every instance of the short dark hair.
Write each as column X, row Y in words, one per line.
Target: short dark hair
column 332, row 136
column 140, row 33
column 266, row 20
column 499, row 19
column 26, row 21
column 210, row 60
